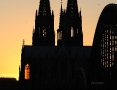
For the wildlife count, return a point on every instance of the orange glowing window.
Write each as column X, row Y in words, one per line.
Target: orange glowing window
column 27, row 71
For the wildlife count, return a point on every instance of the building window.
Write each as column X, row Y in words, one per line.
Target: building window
column 27, row 72
column 44, row 32
column 59, row 35
column 72, row 32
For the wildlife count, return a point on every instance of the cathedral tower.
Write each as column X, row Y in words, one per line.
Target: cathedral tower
column 61, row 30
column 43, row 34
column 71, row 25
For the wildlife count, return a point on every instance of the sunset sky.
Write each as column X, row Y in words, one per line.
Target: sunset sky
column 17, row 21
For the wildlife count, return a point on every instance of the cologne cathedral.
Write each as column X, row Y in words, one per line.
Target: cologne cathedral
column 64, row 66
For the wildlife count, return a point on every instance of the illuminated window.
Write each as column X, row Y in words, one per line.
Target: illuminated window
column 108, row 47
column 77, row 30
column 44, row 31
column 27, row 71
column 60, row 35
column 72, row 32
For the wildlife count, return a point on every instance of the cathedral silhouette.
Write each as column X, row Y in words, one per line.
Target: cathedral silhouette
column 46, row 66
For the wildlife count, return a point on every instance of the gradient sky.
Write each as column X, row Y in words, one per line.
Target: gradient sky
column 17, row 21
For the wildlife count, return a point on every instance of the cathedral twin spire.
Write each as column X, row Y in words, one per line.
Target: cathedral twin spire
column 70, row 19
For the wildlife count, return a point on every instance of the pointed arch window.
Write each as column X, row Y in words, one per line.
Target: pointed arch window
column 27, row 72
column 44, row 31
column 72, row 32
column 59, row 35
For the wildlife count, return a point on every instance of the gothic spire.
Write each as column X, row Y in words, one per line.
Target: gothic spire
column 61, row 7
column 36, row 14
column 23, row 42
column 33, row 30
column 19, row 68
column 44, row 7
column 61, row 15
column 44, row 25
column 80, row 13
column 72, row 6
column 52, row 12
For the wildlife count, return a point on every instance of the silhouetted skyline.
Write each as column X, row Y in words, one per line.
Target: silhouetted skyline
column 17, row 21
column 70, row 64
column 64, row 66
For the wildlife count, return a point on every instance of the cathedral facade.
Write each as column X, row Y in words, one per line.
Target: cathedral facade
column 46, row 66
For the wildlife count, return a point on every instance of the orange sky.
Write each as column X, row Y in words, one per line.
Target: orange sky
column 17, row 22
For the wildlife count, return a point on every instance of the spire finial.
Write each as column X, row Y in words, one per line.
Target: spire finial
column 52, row 12
column 61, row 2
column 33, row 29
column 23, row 42
column 61, row 6
column 19, row 68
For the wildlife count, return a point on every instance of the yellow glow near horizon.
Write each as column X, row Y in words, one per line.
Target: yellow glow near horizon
column 9, row 76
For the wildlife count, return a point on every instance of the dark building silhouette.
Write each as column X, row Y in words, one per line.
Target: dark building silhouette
column 69, row 65
column 70, row 25
column 103, row 61
column 8, row 83
column 46, row 66
column 43, row 34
